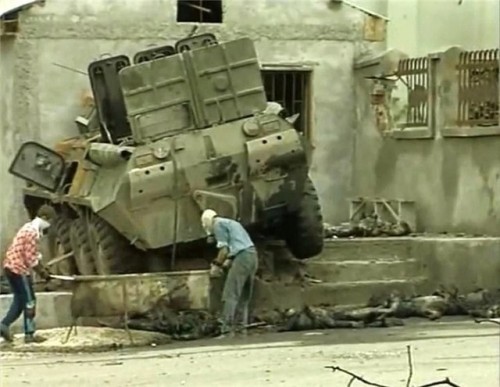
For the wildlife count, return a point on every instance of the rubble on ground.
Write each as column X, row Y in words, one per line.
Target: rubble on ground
column 181, row 325
column 393, row 311
column 191, row 325
column 85, row 339
column 369, row 226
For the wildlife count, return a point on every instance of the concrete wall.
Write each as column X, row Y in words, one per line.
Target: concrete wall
column 454, row 181
column 421, row 26
column 44, row 99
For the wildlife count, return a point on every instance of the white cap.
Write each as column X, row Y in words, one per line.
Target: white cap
column 207, row 220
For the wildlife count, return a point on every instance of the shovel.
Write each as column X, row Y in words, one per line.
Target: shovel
column 62, row 277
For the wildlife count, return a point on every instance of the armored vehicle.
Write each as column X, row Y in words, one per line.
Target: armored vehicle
column 173, row 131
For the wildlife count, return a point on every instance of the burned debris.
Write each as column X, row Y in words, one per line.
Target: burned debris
column 369, row 226
column 375, row 217
column 182, row 326
column 478, row 304
column 192, row 325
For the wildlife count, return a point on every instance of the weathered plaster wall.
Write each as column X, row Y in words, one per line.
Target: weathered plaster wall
column 45, row 98
column 454, row 181
column 418, row 27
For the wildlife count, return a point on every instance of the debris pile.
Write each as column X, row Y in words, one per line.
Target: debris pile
column 369, row 226
column 182, row 325
column 392, row 312
column 192, row 325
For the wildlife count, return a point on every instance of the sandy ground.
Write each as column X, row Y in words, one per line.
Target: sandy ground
column 85, row 339
column 466, row 352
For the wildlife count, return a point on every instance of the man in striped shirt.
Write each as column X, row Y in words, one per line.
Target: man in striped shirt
column 21, row 259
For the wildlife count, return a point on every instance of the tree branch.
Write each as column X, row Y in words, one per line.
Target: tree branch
column 410, row 366
column 444, row 382
column 355, row 377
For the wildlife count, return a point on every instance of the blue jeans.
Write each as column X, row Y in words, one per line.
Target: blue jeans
column 23, row 300
column 238, row 289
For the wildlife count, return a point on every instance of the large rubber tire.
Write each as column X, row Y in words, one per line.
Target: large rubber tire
column 81, row 248
column 61, row 245
column 304, row 234
column 112, row 253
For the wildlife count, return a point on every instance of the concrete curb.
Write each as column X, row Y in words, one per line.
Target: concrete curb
column 53, row 310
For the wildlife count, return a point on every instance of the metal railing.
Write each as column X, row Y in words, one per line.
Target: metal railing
column 478, row 88
column 414, row 73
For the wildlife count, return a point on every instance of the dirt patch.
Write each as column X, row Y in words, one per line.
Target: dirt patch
column 86, row 339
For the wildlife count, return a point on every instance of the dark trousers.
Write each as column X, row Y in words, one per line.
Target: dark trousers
column 23, row 300
column 238, row 288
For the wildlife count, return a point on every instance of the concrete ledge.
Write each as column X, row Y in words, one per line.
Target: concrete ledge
column 53, row 310
column 366, row 249
column 420, row 133
column 279, row 296
column 475, row 131
column 465, row 262
column 365, row 270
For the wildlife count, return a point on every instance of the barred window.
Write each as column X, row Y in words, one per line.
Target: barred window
column 414, row 73
column 199, row 11
column 291, row 89
column 478, row 88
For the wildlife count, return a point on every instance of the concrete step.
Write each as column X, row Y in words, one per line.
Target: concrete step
column 366, row 249
column 351, row 271
column 359, row 292
column 283, row 296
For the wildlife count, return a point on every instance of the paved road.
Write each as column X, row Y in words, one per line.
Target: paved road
column 466, row 352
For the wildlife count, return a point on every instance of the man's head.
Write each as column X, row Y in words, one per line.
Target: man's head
column 46, row 215
column 207, row 220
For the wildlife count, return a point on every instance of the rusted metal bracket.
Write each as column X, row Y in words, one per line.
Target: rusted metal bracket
column 398, row 210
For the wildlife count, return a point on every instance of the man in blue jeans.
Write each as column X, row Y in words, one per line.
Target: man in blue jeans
column 236, row 251
column 21, row 259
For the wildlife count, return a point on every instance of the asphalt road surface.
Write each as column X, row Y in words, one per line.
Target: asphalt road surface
column 466, row 352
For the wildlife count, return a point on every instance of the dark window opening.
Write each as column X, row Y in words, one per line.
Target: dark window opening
column 10, row 23
column 291, row 89
column 199, row 11
column 69, row 176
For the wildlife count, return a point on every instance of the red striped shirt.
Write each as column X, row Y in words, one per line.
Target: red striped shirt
column 22, row 254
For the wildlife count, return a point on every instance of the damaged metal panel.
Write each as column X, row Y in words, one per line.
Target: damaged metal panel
column 278, row 150
column 109, row 102
column 228, row 81
column 158, row 98
column 39, row 165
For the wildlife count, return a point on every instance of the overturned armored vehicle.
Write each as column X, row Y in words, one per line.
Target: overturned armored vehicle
column 178, row 130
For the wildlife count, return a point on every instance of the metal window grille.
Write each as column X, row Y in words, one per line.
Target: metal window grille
column 478, row 88
column 291, row 89
column 9, row 24
column 414, row 72
column 199, row 11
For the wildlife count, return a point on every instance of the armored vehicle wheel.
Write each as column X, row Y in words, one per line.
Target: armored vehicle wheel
column 304, row 228
column 81, row 248
column 60, row 245
column 111, row 251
